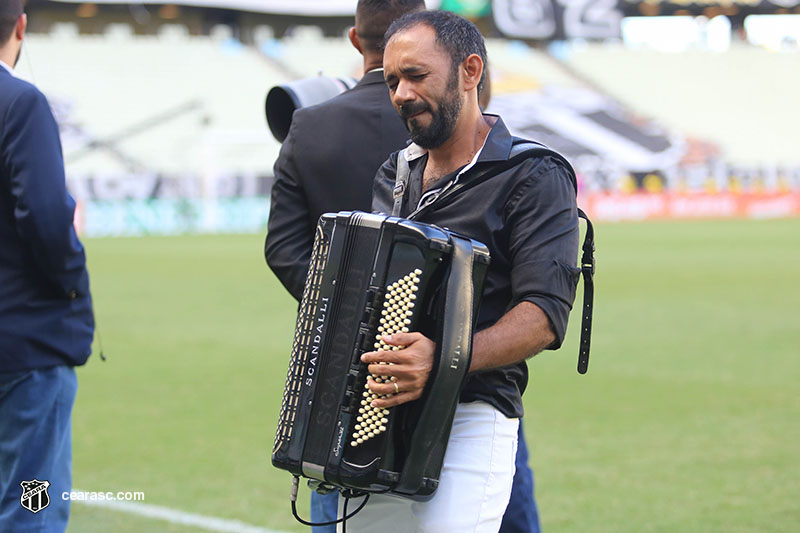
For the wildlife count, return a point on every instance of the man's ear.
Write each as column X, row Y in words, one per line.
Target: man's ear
column 354, row 40
column 473, row 70
column 19, row 28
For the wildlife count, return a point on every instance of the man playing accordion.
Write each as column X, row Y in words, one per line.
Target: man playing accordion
column 526, row 214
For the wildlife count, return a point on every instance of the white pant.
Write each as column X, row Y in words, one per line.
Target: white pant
column 474, row 486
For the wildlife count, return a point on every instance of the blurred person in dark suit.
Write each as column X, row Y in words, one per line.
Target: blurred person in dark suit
column 333, row 150
column 327, row 163
column 46, row 321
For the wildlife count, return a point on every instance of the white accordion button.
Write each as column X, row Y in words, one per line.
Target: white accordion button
column 395, row 317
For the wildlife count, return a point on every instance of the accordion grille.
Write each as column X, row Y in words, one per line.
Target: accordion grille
column 302, row 340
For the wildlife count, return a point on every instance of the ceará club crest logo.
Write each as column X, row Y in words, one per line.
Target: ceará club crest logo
column 34, row 495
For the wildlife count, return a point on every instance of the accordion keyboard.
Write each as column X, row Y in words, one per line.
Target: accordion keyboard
column 398, row 308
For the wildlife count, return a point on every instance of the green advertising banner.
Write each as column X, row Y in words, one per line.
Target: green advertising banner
column 467, row 8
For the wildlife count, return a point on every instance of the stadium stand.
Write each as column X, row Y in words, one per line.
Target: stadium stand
column 741, row 99
column 180, row 105
column 173, row 103
column 517, row 66
column 306, row 52
column 177, row 115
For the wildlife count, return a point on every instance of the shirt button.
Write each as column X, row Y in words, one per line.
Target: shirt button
column 72, row 294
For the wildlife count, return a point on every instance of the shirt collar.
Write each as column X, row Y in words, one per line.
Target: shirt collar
column 498, row 143
column 373, row 76
column 7, row 67
column 497, row 146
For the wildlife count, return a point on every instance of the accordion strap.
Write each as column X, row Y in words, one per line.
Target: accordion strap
column 519, row 152
column 444, row 384
column 400, row 182
column 587, row 269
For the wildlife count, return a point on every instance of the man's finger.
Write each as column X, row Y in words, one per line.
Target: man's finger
column 402, row 339
column 383, row 370
column 382, row 356
column 383, row 388
column 396, row 399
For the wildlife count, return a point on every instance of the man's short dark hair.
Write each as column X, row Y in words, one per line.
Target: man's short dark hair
column 10, row 10
column 456, row 35
column 373, row 18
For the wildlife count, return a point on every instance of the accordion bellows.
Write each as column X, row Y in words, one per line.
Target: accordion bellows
column 373, row 275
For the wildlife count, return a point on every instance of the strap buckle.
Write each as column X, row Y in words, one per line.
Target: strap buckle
column 587, row 267
column 399, row 190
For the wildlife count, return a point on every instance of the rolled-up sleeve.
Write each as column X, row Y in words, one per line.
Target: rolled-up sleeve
column 543, row 242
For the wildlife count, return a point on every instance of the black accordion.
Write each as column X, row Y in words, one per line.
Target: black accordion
column 371, row 275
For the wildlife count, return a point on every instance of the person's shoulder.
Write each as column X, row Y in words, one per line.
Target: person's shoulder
column 314, row 115
column 537, row 153
column 350, row 101
column 13, row 87
column 542, row 164
column 15, row 92
column 388, row 168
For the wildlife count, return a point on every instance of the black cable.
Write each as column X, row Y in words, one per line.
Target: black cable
column 293, row 499
column 330, row 523
column 344, row 513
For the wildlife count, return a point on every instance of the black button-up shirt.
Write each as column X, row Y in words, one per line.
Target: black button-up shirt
column 527, row 216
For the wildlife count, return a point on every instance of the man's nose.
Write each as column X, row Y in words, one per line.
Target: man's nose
column 404, row 93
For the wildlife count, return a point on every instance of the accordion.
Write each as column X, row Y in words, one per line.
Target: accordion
column 371, row 275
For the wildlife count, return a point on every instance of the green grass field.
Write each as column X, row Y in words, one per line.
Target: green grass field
column 688, row 420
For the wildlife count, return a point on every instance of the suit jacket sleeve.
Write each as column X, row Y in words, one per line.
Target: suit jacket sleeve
column 43, row 210
column 289, row 236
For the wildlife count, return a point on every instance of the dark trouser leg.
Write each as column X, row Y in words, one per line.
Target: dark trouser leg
column 323, row 509
column 521, row 515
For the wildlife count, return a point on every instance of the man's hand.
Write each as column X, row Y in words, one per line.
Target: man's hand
column 409, row 369
column 520, row 333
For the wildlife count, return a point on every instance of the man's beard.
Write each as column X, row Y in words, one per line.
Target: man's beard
column 443, row 120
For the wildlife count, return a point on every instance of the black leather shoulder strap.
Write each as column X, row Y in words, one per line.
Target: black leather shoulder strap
column 520, row 151
column 587, row 270
column 400, row 183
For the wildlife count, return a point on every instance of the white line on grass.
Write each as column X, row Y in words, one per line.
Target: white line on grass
column 209, row 523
